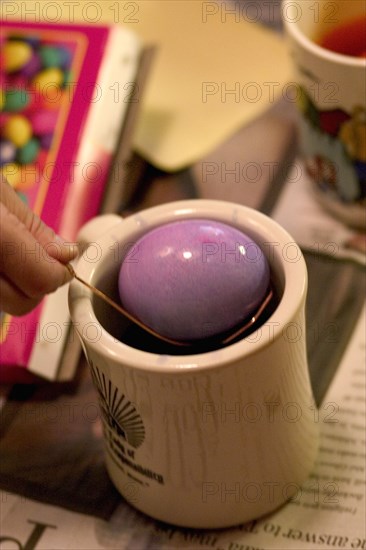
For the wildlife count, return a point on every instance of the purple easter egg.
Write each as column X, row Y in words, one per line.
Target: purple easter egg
column 193, row 279
column 46, row 140
column 33, row 41
column 33, row 66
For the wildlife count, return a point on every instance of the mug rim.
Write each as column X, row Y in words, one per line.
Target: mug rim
column 338, row 58
column 80, row 298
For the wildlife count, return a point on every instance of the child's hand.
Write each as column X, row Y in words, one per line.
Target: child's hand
column 32, row 256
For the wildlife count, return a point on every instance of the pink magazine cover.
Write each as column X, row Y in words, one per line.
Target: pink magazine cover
column 51, row 94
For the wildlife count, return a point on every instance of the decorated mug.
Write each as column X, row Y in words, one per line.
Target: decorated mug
column 327, row 43
column 202, row 440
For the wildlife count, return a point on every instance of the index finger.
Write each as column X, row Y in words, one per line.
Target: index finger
column 55, row 246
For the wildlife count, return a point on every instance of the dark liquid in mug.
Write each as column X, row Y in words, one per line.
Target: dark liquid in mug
column 348, row 38
column 135, row 337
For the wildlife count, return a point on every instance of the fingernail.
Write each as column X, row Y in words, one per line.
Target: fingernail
column 72, row 248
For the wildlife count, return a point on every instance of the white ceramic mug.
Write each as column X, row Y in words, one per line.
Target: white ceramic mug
column 332, row 101
column 213, row 439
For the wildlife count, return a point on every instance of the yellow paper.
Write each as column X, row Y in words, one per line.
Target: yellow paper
column 214, row 70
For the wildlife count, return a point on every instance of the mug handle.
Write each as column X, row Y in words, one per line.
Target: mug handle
column 95, row 228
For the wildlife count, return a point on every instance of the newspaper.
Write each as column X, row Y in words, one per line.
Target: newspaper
column 327, row 512
column 329, row 509
column 313, row 228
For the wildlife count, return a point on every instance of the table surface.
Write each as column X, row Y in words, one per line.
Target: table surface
column 51, row 436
